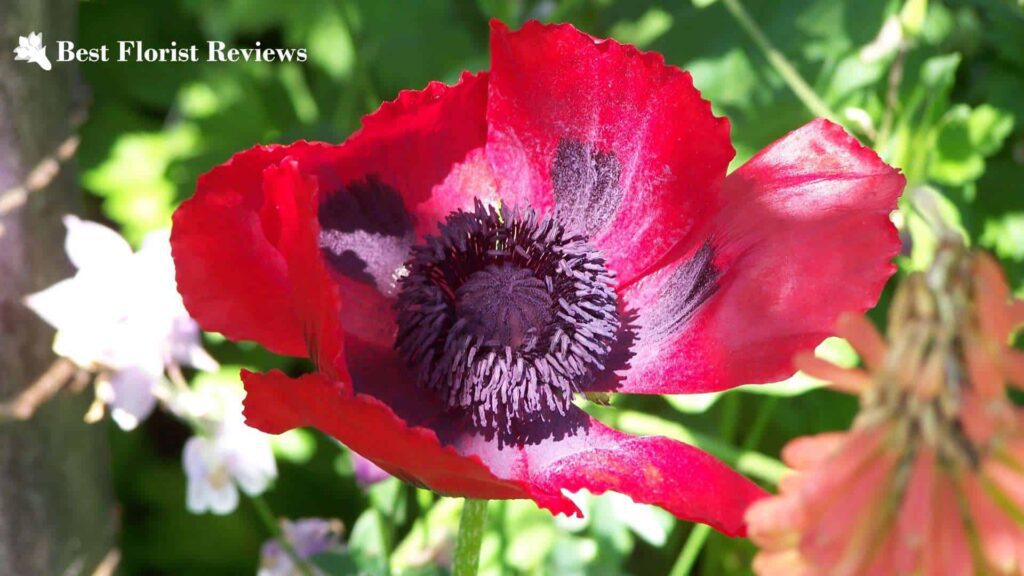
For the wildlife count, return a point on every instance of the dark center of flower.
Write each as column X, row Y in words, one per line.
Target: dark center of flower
column 506, row 315
column 504, row 304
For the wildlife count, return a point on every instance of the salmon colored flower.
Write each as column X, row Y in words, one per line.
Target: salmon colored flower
column 930, row 480
column 479, row 256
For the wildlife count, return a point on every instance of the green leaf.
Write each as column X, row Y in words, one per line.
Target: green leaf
column 652, row 524
column 430, row 570
column 385, row 496
column 652, row 25
column 508, row 11
column 925, row 241
column 938, row 72
column 1005, row 235
column 336, row 563
column 532, row 538
column 134, row 179
column 433, row 531
column 692, row 403
column 599, row 398
column 965, row 138
column 296, row 446
column 366, row 542
column 988, row 128
column 912, row 17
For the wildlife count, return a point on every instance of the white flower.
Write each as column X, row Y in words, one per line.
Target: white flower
column 234, row 456
column 120, row 313
column 31, row 49
column 308, row 536
column 129, row 394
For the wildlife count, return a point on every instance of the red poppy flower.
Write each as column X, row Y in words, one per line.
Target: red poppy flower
column 478, row 255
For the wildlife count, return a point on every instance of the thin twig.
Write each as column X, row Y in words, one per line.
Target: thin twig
column 277, row 532
column 892, row 94
column 40, row 176
column 45, row 387
column 782, row 65
column 108, row 566
column 177, row 378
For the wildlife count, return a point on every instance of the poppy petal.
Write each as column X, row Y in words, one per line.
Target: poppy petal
column 224, row 240
column 230, row 272
column 618, row 144
column 414, row 143
column 291, row 210
column 803, row 236
column 680, row 478
column 275, row 403
column 414, row 161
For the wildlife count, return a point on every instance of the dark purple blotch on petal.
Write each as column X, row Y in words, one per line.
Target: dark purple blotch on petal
column 369, row 205
column 681, row 296
column 366, row 232
column 586, row 186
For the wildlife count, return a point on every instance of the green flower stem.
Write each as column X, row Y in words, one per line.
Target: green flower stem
column 782, row 65
column 691, row 549
column 699, row 535
column 471, row 535
column 274, row 527
column 760, row 423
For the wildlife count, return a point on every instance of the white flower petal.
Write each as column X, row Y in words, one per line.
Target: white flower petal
column 200, row 359
column 209, row 485
column 89, row 244
column 35, row 39
column 57, row 305
column 223, row 500
column 185, row 347
column 133, row 398
column 250, row 459
column 201, row 496
column 193, row 457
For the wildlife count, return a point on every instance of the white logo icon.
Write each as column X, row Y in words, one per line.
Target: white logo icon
column 31, row 49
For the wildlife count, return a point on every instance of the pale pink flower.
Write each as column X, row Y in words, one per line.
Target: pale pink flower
column 930, row 479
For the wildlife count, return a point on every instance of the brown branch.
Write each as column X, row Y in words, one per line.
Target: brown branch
column 45, row 387
column 108, row 566
column 39, row 177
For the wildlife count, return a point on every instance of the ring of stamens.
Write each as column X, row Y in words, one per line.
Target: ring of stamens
column 506, row 315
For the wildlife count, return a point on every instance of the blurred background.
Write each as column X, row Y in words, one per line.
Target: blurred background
column 934, row 86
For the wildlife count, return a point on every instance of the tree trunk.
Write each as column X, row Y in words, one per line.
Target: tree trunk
column 56, row 513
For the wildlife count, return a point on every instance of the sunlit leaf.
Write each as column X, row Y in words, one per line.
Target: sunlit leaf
column 134, row 180
column 336, row 563
column 912, row 16
column 965, row 138
column 296, row 446
column 648, row 28
column 692, row 403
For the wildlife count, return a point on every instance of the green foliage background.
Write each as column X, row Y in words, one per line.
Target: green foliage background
column 955, row 125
